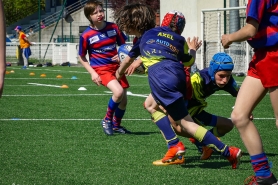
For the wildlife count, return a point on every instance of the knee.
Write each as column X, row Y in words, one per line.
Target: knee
column 149, row 106
column 119, row 94
column 239, row 119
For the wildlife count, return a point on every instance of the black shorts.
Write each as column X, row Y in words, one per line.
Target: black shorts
column 205, row 119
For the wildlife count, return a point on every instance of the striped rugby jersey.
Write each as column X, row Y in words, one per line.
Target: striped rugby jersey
column 266, row 13
column 101, row 44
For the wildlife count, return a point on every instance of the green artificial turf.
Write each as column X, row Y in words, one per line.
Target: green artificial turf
column 52, row 135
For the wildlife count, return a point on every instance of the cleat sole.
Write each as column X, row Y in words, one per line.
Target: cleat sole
column 177, row 161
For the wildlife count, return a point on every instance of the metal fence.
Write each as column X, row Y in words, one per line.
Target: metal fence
column 45, row 52
column 215, row 23
column 55, row 53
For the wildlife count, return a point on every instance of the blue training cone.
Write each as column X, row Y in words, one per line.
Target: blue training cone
column 74, row 78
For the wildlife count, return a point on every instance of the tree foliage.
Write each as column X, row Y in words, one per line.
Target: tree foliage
column 117, row 4
column 16, row 10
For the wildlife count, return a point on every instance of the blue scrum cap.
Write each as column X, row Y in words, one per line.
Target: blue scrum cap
column 220, row 62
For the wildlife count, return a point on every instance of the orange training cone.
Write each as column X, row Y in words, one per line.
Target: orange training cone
column 64, row 86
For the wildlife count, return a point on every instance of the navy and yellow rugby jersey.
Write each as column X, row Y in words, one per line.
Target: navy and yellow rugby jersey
column 203, row 87
column 159, row 44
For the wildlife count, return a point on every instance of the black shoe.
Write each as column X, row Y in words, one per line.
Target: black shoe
column 261, row 181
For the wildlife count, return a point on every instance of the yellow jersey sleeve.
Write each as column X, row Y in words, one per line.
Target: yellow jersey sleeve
column 198, row 102
column 188, row 60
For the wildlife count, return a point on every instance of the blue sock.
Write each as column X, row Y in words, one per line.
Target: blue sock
column 198, row 144
column 260, row 165
column 211, row 141
column 119, row 114
column 169, row 134
column 112, row 106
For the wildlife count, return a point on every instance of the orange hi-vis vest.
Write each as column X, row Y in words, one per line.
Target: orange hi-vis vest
column 23, row 44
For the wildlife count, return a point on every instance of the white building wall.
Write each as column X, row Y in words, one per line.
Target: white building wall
column 192, row 12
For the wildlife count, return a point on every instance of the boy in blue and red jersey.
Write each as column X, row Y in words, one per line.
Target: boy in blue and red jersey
column 261, row 32
column 161, row 50
column 99, row 41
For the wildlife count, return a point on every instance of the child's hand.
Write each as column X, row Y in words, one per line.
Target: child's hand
column 194, row 44
column 118, row 75
column 96, row 79
column 130, row 70
column 116, row 58
column 226, row 41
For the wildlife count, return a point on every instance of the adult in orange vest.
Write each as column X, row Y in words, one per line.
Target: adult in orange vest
column 24, row 45
column 2, row 48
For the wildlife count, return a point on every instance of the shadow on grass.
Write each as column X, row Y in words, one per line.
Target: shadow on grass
column 132, row 133
column 143, row 133
column 216, row 161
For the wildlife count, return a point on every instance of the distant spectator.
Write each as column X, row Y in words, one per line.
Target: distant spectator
column 31, row 32
column 24, row 45
column 42, row 25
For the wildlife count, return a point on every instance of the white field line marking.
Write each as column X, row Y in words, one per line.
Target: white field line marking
column 34, row 78
column 108, row 93
column 76, row 119
column 221, row 95
column 44, row 69
column 53, row 95
column 45, row 85
column 264, row 118
column 130, row 93
column 51, row 70
column 79, row 85
column 140, row 76
column 33, row 85
column 84, row 72
column 40, row 78
column 226, row 94
column 19, row 119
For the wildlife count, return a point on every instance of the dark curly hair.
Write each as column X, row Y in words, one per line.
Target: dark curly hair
column 135, row 16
